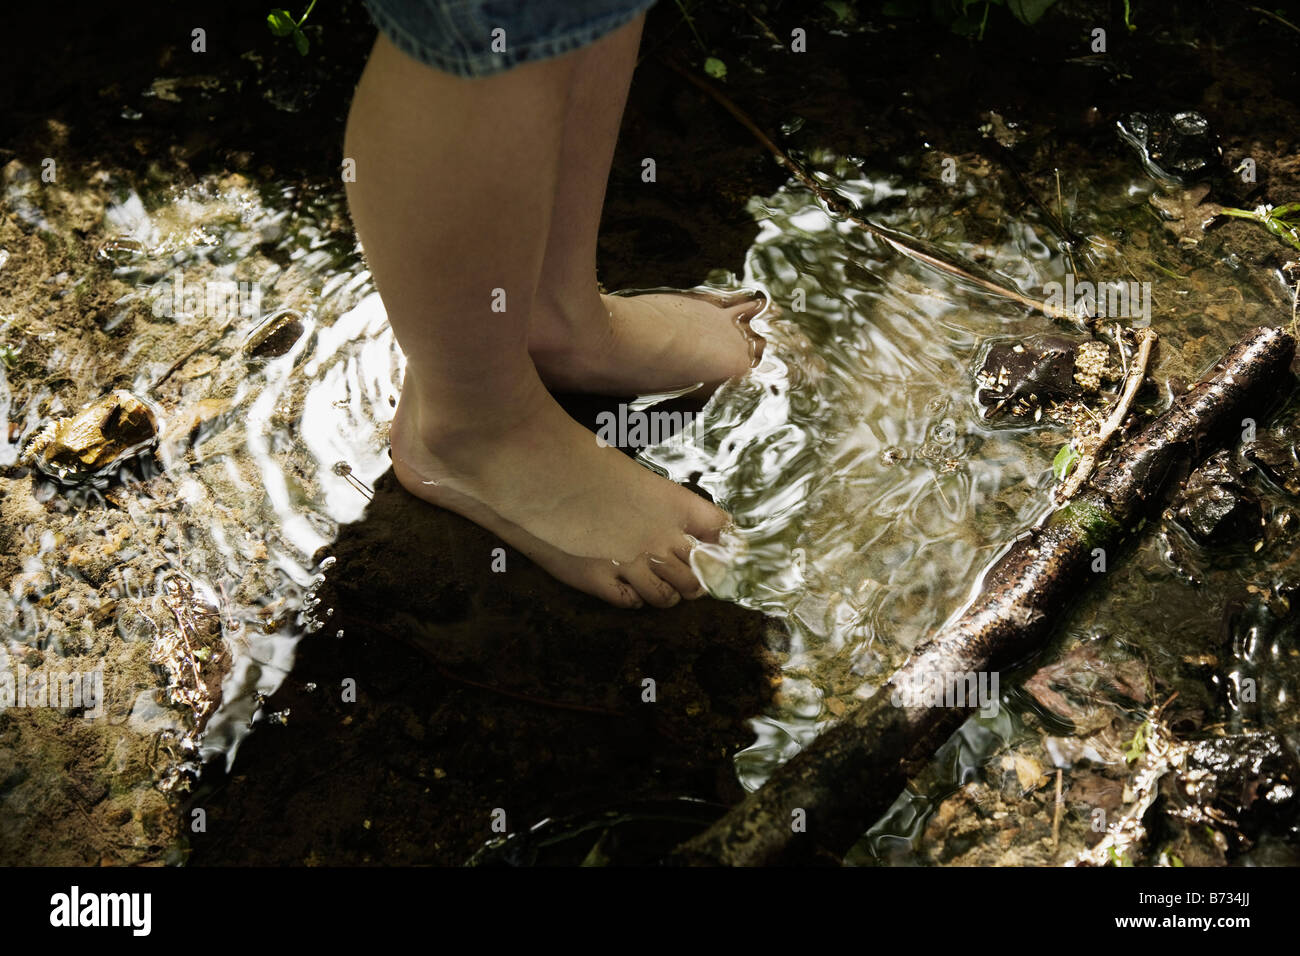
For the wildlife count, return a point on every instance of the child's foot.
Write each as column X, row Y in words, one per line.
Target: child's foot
column 538, row 480
column 645, row 343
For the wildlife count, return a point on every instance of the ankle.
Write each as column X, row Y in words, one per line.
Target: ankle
column 452, row 417
column 564, row 326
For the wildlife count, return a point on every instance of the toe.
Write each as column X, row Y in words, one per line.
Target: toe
column 677, row 573
column 615, row 591
column 742, row 317
column 705, row 520
column 652, row 588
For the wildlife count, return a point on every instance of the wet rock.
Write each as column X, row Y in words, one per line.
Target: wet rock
column 1018, row 377
column 107, row 432
column 276, row 335
column 192, row 420
column 1090, row 791
column 1178, row 149
column 1277, row 460
column 1215, row 506
column 1185, row 213
column 1086, row 683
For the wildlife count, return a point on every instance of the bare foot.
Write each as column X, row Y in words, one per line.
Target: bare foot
column 645, row 343
column 538, row 480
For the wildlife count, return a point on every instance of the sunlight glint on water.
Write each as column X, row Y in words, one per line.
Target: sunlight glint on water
column 250, row 497
column 866, row 489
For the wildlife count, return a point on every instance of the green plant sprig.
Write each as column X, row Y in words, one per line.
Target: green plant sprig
column 1282, row 221
column 282, row 24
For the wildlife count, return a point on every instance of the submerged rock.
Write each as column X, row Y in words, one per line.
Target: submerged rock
column 275, row 336
column 105, row 433
column 1178, row 149
column 1019, row 377
column 1087, row 684
column 1277, row 461
column 1215, row 506
column 1185, row 212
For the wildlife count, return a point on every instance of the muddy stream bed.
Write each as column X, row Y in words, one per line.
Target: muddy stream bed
column 293, row 661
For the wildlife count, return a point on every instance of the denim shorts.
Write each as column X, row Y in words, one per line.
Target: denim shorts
column 480, row 37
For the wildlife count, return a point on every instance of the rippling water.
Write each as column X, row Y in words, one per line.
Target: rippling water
column 263, row 456
column 867, row 489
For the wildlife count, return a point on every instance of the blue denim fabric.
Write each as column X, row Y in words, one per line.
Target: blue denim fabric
column 457, row 35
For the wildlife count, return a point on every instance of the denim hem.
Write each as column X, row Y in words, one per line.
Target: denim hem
column 470, row 64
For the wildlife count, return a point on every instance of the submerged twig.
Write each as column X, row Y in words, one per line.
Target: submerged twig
column 1290, row 268
column 1055, row 219
column 186, row 356
column 1088, row 459
column 1056, row 815
column 920, row 250
column 344, row 471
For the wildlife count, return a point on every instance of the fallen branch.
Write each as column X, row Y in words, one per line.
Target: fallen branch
column 820, row 802
column 920, row 250
column 1097, row 444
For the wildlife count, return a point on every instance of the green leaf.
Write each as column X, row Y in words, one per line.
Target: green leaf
column 280, row 23
column 715, row 68
column 839, row 8
column 300, row 41
column 1138, row 745
column 1064, row 461
column 1029, row 11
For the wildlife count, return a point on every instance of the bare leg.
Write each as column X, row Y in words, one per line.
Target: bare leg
column 454, row 194
column 581, row 340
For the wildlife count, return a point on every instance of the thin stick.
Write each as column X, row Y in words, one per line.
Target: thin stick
column 1137, row 373
column 925, row 252
column 1056, row 817
column 1060, row 204
column 207, row 343
column 1295, row 294
column 765, row 28
column 1273, row 16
